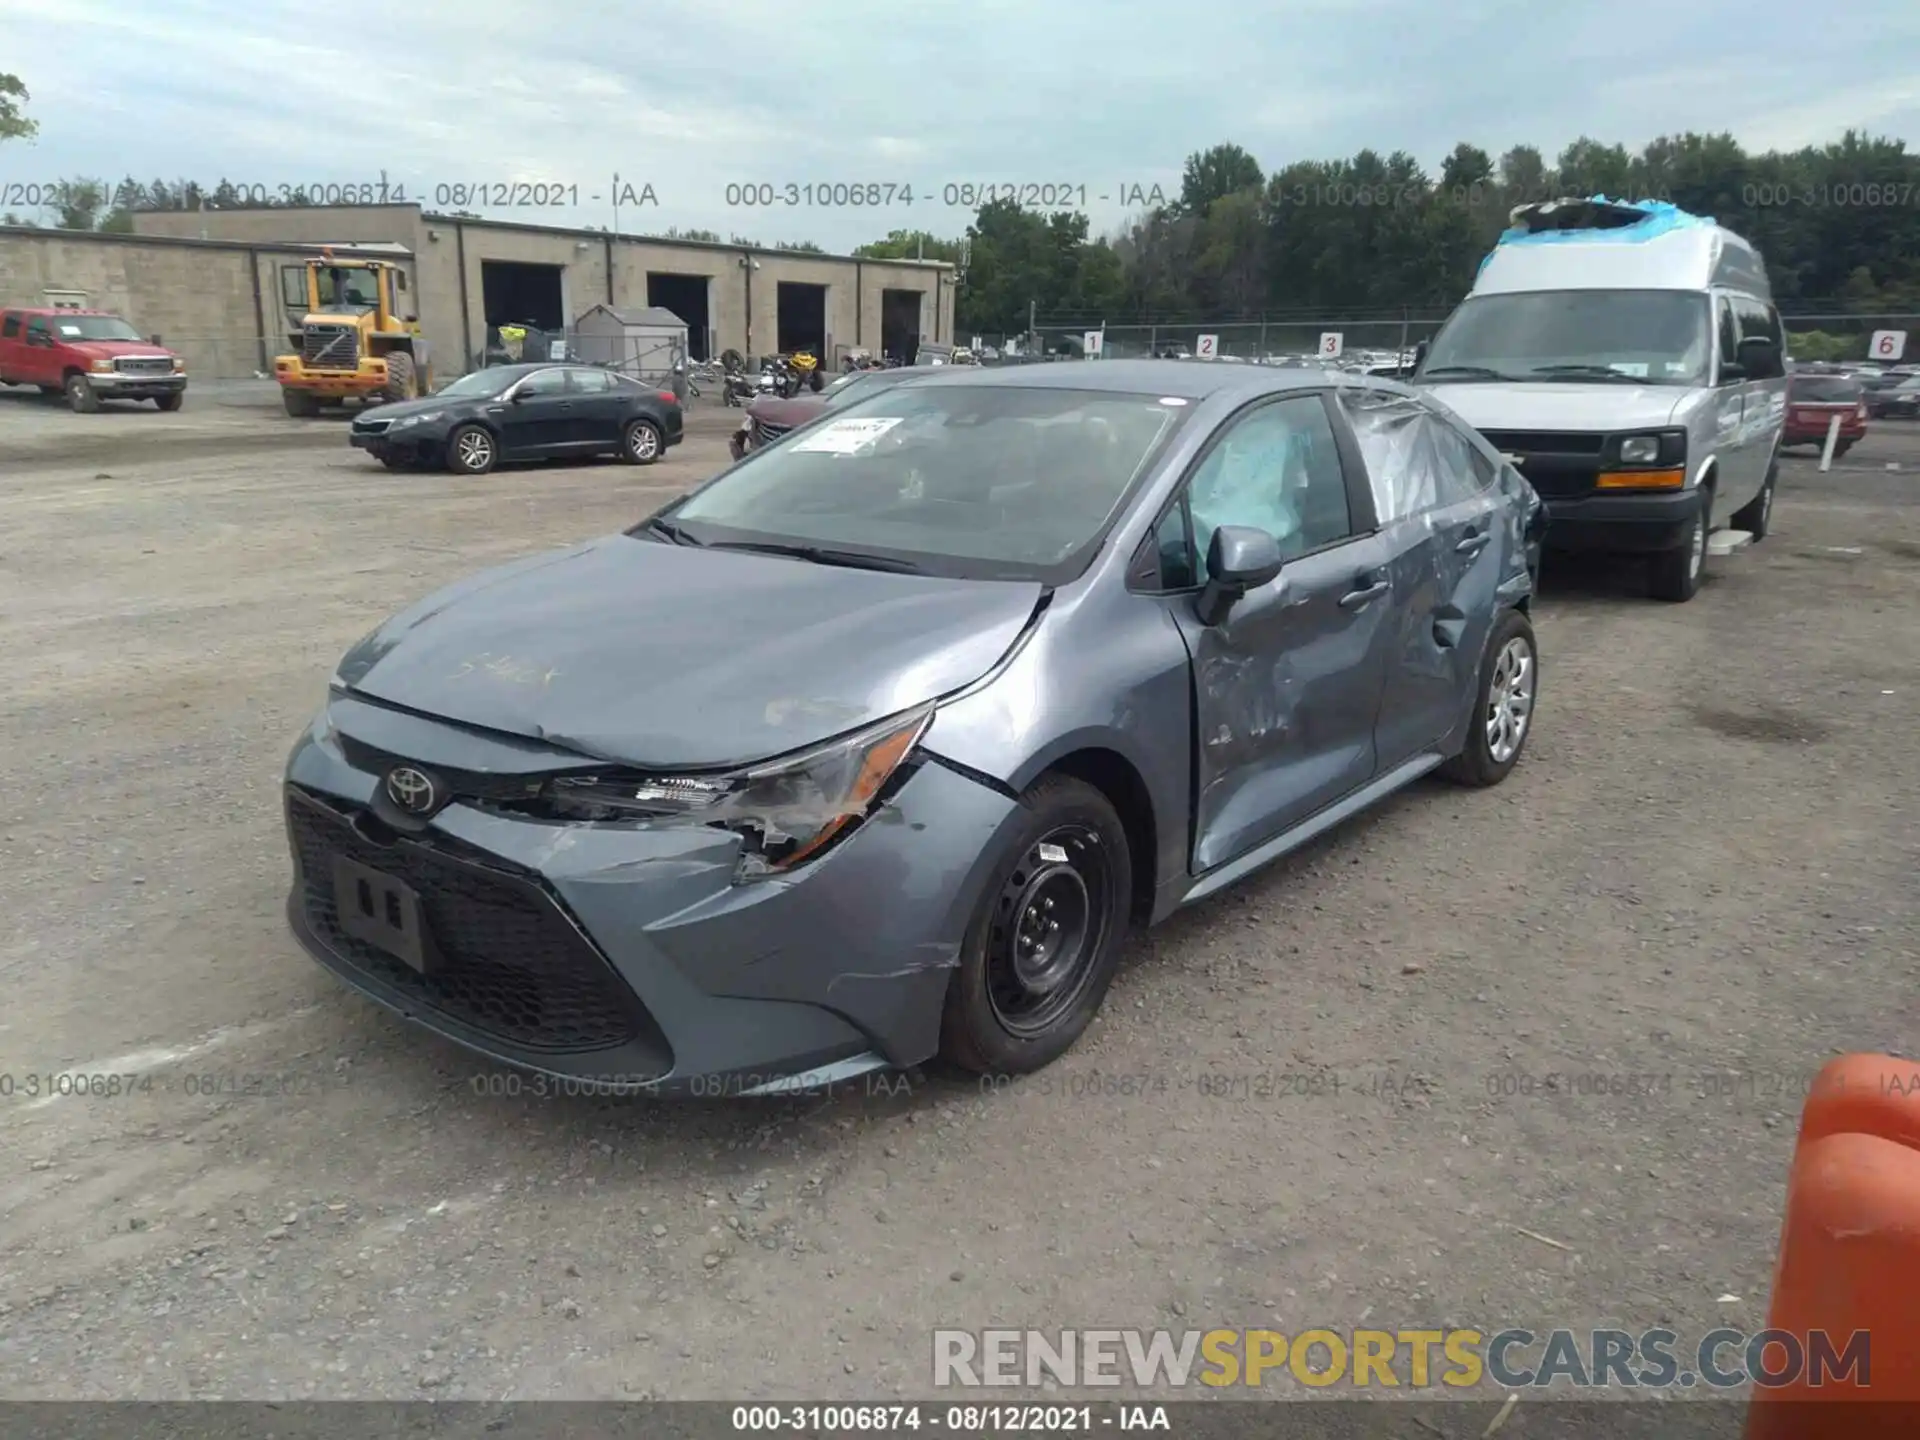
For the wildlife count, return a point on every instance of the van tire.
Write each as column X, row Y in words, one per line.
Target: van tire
column 1756, row 516
column 1677, row 573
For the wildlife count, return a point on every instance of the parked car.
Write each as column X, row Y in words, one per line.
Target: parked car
column 1632, row 360
column 1899, row 401
column 879, row 743
column 770, row 417
column 1813, row 402
column 523, row 412
column 89, row 356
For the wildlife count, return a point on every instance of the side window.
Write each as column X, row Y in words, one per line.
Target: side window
column 10, row 327
column 1729, row 332
column 591, row 382
column 1277, row 470
column 1175, row 548
column 37, row 333
column 1399, row 443
column 542, row 384
column 1756, row 319
column 293, row 287
column 1462, row 470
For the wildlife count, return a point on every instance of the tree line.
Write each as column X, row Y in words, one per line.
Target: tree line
column 1839, row 226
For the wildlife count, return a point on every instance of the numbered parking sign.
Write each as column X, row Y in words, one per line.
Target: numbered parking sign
column 1887, row 344
column 1092, row 341
column 1207, row 346
column 1332, row 344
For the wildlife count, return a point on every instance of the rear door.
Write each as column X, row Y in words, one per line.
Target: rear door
column 599, row 407
column 1287, row 686
column 1433, row 490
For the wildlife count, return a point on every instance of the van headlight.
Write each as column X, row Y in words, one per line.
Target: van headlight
column 789, row 811
column 1640, row 449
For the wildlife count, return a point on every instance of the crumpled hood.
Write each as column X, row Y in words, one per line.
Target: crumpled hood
column 1600, row 406
column 671, row 656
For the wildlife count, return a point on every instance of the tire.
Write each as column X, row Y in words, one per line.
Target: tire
column 641, row 443
column 402, row 381
column 472, row 450
column 1756, row 516
column 1504, row 698
column 169, row 402
column 1677, row 573
column 999, row 1019
column 1841, row 447
column 299, row 403
column 399, row 462
column 82, row 398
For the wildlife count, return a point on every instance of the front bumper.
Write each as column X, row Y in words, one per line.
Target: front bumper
column 113, row 384
column 405, row 445
column 628, row 957
column 1635, row 523
column 369, row 377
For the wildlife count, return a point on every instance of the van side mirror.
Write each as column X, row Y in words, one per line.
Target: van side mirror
column 1240, row 558
column 1419, row 357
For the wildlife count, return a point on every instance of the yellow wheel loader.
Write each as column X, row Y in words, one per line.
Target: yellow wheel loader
column 353, row 342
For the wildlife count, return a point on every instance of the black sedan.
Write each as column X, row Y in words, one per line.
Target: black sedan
column 1899, row 401
column 523, row 412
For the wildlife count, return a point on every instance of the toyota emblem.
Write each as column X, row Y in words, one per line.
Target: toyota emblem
column 412, row 791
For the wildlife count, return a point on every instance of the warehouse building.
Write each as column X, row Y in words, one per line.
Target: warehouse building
column 476, row 275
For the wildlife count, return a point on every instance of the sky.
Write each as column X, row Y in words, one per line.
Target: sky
column 703, row 108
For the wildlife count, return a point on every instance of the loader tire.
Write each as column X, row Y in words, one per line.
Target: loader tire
column 402, row 382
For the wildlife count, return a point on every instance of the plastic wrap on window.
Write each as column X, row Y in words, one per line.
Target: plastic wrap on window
column 1397, row 443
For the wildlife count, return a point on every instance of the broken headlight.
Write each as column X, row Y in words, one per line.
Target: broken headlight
column 788, row 810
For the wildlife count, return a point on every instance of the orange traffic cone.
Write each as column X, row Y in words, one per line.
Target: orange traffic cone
column 1846, row 1284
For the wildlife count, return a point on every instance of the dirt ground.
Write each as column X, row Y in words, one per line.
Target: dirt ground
column 1703, row 871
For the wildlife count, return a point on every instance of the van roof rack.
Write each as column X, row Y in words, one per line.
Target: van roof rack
column 1577, row 213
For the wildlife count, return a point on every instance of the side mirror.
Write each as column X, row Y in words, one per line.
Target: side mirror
column 153, row 339
column 1419, row 357
column 1757, row 358
column 1240, row 558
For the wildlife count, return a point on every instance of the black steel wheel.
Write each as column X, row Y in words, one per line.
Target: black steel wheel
column 1046, row 937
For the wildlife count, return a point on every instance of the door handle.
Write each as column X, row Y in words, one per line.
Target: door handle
column 1354, row 599
column 1473, row 544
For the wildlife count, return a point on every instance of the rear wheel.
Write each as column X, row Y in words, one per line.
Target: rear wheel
column 1757, row 514
column 471, row 450
column 82, row 398
column 1677, row 573
column 402, row 381
column 169, row 402
column 299, row 403
column 1044, row 944
column 1503, row 705
column 640, row 442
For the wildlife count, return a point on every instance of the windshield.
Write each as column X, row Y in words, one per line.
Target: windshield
column 348, row 290
column 858, row 387
column 978, row 480
column 1824, row 389
column 93, row 327
column 1659, row 337
column 480, row 383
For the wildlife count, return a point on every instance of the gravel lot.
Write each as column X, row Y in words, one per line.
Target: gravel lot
column 1703, row 871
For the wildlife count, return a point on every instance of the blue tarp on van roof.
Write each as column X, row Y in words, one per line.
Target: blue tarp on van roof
column 1661, row 218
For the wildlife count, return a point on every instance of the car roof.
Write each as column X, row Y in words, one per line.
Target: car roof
column 1187, row 379
column 51, row 310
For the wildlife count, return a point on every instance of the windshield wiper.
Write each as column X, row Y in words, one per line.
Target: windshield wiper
column 820, row 555
column 1595, row 372
column 669, row 532
column 1480, row 370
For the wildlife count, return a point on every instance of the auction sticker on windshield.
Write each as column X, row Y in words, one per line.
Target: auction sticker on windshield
column 845, row 437
column 69, row 329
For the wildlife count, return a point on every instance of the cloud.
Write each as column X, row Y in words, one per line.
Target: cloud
column 1106, row 94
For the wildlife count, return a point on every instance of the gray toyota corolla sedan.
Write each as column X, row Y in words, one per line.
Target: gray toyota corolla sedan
column 877, row 745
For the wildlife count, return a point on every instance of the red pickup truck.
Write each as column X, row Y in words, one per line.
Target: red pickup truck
column 88, row 356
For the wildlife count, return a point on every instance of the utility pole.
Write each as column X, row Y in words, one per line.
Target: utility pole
column 1033, row 335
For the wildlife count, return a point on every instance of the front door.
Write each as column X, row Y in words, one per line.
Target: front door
column 39, row 362
column 1733, row 446
column 1287, row 686
column 539, row 417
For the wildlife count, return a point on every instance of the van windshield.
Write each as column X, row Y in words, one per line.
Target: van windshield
column 1655, row 337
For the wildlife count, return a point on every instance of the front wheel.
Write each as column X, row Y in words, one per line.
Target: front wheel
column 1677, row 573
column 82, row 398
column 1503, row 705
column 640, row 442
column 299, row 404
column 169, row 402
column 1045, row 941
column 471, row 450
column 402, row 381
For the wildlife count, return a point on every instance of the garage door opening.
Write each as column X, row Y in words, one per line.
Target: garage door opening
column 802, row 317
column 515, row 293
column 900, row 324
column 686, row 297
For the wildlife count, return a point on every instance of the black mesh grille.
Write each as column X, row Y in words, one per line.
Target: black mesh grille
column 509, row 962
column 1558, row 466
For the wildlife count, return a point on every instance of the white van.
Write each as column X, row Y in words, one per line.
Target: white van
column 1629, row 360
